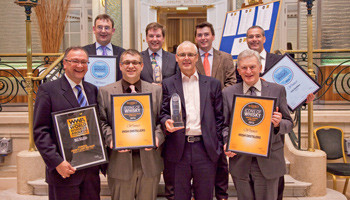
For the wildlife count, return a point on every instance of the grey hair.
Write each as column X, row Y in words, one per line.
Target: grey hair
column 259, row 27
column 247, row 54
column 187, row 43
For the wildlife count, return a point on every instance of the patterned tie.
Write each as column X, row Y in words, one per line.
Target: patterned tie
column 206, row 64
column 132, row 87
column 104, row 50
column 157, row 75
column 252, row 91
column 81, row 98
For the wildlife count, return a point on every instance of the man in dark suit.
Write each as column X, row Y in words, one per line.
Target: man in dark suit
column 132, row 173
column 104, row 30
column 158, row 64
column 192, row 151
column 255, row 40
column 258, row 177
column 64, row 181
column 217, row 64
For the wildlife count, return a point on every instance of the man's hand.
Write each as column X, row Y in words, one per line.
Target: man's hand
column 169, row 125
column 310, row 97
column 276, row 118
column 228, row 153
column 65, row 169
column 157, row 145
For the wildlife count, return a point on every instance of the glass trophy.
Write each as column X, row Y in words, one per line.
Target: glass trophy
column 175, row 109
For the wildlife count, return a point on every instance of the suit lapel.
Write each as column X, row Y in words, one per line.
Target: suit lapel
column 216, row 62
column 68, row 92
column 147, row 63
column 203, row 93
column 199, row 65
column 265, row 92
column 164, row 61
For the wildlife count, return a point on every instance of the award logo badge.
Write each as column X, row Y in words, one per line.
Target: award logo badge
column 175, row 109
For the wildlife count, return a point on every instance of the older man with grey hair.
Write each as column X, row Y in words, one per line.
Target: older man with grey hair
column 257, row 177
column 191, row 152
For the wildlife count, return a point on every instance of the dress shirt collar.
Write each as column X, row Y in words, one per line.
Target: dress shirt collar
column 257, row 86
column 195, row 75
column 159, row 52
column 263, row 54
column 126, row 88
column 73, row 84
column 201, row 52
column 109, row 46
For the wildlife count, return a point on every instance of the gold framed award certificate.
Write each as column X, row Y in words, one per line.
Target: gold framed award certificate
column 251, row 125
column 132, row 121
column 79, row 137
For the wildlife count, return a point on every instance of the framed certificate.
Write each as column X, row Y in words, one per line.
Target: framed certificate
column 297, row 82
column 132, row 121
column 251, row 125
column 79, row 137
column 101, row 70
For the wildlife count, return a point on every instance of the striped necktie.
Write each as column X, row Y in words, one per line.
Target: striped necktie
column 81, row 98
column 104, row 50
column 157, row 75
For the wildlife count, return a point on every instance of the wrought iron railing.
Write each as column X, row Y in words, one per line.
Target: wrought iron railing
column 332, row 73
column 46, row 67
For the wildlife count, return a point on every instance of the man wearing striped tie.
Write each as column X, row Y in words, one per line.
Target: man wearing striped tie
column 68, row 92
column 158, row 64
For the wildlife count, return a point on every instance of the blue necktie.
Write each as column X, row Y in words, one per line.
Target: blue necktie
column 104, row 50
column 81, row 98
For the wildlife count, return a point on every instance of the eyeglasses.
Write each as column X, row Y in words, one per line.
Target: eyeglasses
column 76, row 62
column 128, row 62
column 190, row 55
column 100, row 28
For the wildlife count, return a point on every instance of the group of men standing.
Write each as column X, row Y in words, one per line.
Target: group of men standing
column 205, row 80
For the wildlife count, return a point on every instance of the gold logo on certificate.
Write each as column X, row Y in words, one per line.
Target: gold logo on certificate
column 78, row 126
column 252, row 114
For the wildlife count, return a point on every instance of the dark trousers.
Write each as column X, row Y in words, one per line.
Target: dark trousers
column 88, row 189
column 221, row 179
column 194, row 165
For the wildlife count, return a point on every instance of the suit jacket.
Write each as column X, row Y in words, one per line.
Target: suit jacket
column 271, row 59
column 223, row 68
column 51, row 97
column 120, row 164
column 274, row 166
column 210, row 115
column 169, row 66
column 117, row 51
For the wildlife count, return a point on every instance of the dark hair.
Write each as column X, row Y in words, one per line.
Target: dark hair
column 105, row 17
column 259, row 27
column 205, row 24
column 74, row 48
column 132, row 52
column 155, row 25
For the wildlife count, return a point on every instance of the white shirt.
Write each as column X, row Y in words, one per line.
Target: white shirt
column 263, row 60
column 99, row 50
column 257, row 86
column 158, row 57
column 75, row 90
column 192, row 103
column 210, row 57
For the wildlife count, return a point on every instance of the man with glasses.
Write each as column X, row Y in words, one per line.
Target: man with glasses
column 68, row 92
column 192, row 151
column 257, row 178
column 104, row 30
column 158, row 64
column 132, row 174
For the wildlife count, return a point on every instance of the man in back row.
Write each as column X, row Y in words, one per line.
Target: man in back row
column 158, row 64
column 104, row 30
column 219, row 65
